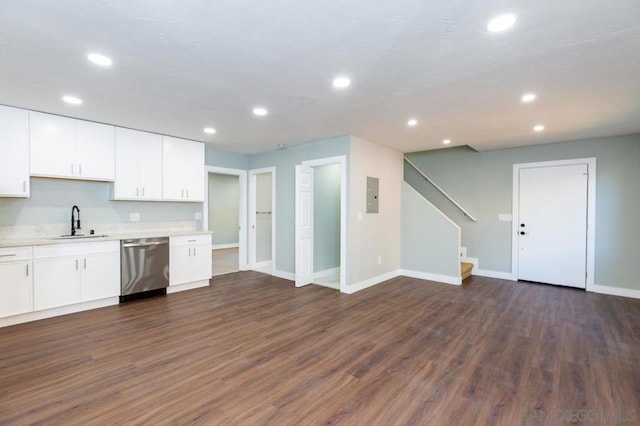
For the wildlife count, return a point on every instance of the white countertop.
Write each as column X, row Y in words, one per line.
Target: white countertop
column 17, row 242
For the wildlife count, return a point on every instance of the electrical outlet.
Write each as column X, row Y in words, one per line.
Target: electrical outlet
column 198, row 216
column 379, row 260
column 134, row 217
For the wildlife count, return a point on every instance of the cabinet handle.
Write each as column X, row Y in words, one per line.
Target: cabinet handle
column 189, row 251
column 137, row 189
column 187, row 193
column 85, row 263
column 182, row 193
column 143, row 191
column 72, row 169
column 27, row 269
column 80, row 169
column 76, row 264
column 194, row 251
column 24, row 186
column 7, row 255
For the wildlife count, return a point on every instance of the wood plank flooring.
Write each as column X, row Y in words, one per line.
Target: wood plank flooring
column 252, row 349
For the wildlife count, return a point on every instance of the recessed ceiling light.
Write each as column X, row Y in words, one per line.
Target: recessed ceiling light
column 501, row 23
column 528, row 97
column 260, row 111
column 209, row 130
column 538, row 128
column 100, row 59
column 72, row 100
column 341, row 82
column 413, row 122
column 446, row 141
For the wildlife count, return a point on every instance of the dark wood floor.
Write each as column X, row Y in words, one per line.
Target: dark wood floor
column 252, row 349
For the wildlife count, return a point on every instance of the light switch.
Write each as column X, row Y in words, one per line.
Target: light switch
column 134, row 217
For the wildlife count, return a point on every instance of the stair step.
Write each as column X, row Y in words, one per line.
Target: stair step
column 465, row 269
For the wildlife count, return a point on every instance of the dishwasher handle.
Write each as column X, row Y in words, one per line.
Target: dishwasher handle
column 157, row 243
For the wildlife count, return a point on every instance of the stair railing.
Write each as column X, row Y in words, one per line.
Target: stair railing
column 448, row 197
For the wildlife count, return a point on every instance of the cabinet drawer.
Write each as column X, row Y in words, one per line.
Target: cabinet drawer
column 75, row 249
column 11, row 254
column 190, row 240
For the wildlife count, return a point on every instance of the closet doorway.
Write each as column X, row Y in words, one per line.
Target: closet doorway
column 224, row 215
column 262, row 220
column 321, row 223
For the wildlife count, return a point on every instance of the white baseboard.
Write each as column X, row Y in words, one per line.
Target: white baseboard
column 350, row 289
column 262, row 265
column 224, row 246
column 326, row 272
column 616, row 291
column 187, row 286
column 54, row 312
column 494, row 274
column 446, row 279
column 283, row 274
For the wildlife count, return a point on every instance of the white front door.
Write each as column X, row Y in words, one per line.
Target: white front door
column 304, row 225
column 552, row 224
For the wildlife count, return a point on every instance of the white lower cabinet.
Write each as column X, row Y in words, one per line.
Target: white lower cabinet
column 16, row 281
column 189, row 259
column 65, row 274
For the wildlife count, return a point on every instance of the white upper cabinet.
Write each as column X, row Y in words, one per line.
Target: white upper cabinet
column 183, row 170
column 72, row 149
column 138, row 165
column 96, row 150
column 14, row 152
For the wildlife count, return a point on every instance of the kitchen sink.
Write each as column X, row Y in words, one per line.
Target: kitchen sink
column 78, row 237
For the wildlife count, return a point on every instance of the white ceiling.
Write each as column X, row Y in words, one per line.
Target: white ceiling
column 181, row 65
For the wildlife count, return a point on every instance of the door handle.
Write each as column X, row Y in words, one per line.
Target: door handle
column 85, row 263
column 523, row 233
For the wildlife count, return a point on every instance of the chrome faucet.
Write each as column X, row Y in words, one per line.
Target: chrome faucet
column 75, row 223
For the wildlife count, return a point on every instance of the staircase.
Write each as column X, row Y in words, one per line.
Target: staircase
column 465, row 270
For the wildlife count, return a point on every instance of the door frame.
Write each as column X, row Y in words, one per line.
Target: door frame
column 252, row 247
column 342, row 161
column 242, row 209
column 591, row 213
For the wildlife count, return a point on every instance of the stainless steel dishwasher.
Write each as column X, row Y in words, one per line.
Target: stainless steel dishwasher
column 144, row 267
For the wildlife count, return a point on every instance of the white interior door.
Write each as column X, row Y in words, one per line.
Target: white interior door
column 552, row 224
column 304, row 225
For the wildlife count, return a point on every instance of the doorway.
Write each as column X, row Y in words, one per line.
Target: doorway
column 321, row 223
column 262, row 219
column 225, row 216
column 553, row 222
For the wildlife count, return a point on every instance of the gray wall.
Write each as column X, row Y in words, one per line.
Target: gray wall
column 482, row 183
column 285, row 162
column 429, row 240
column 373, row 236
column 51, row 201
column 224, row 208
column 218, row 158
column 326, row 217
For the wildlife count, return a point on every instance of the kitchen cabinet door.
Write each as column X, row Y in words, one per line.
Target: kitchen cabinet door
column 53, row 145
column 100, row 276
column 182, row 170
column 14, row 152
column 138, row 165
column 193, row 174
column 95, row 151
column 173, row 169
column 179, row 265
column 16, row 288
column 201, row 262
column 56, row 282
